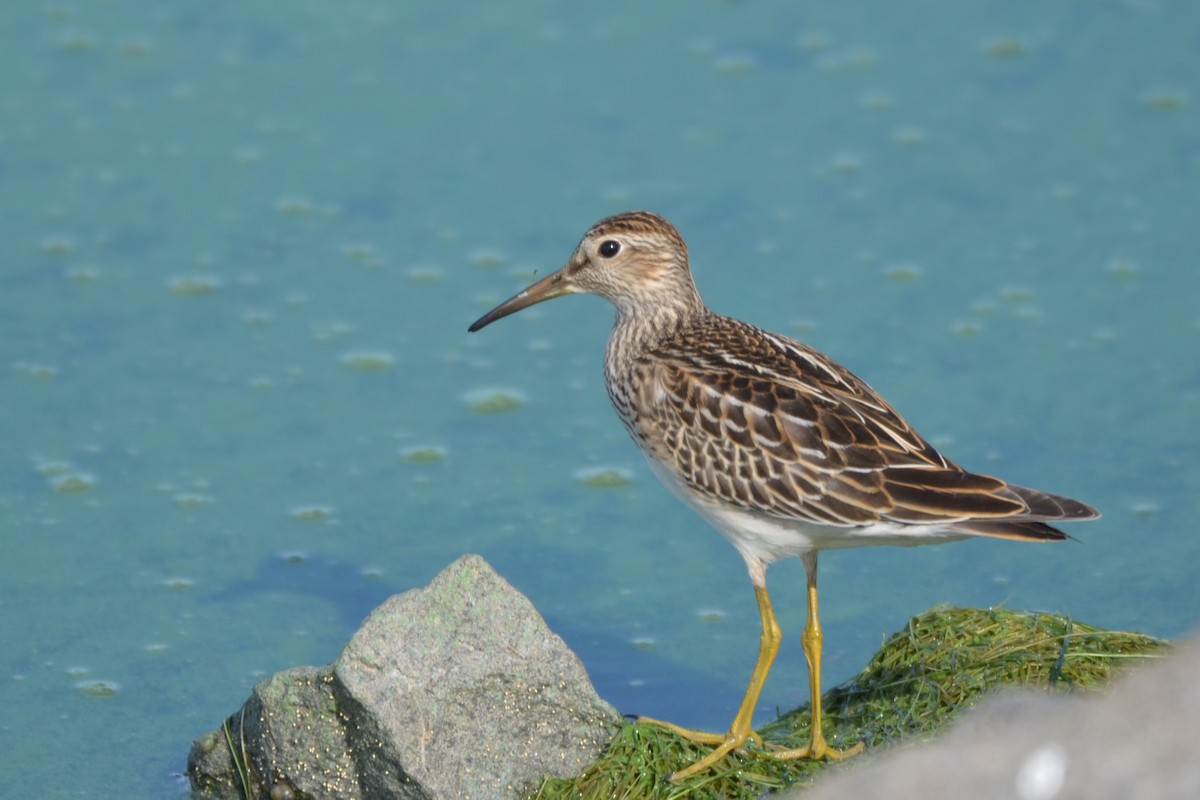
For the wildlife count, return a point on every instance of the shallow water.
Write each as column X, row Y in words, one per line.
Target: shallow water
column 242, row 246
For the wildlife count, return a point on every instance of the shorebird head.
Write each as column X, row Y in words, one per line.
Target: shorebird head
column 636, row 260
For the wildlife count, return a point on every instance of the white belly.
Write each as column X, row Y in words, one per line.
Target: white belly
column 764, row 538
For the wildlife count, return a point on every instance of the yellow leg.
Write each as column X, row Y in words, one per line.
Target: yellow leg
column 811, row 640
column 740, row 730
column 768, row 646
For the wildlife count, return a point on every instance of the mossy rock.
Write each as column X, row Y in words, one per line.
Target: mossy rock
column 940, row 663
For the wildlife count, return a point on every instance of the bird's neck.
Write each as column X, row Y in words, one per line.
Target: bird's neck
column 639, row 331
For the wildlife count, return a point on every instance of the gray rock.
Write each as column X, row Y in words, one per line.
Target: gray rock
column 455, row 690
column 287, row 735
column 1137, row 741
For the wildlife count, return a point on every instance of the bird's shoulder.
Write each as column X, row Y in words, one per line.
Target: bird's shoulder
column 728, row 374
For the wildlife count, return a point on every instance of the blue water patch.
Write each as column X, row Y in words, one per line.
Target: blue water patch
column 242, row 244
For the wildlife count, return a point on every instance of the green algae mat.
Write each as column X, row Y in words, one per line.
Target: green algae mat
column 937, row 665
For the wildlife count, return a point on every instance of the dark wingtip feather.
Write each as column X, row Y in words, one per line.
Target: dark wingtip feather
column 1046, row 506
column 1024, row 531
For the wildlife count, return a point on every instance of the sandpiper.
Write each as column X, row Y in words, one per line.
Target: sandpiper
column 781, row 449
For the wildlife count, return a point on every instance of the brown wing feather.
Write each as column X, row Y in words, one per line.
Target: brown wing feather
column 788, row 432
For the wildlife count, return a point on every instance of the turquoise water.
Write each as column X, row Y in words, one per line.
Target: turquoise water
column 242, row 245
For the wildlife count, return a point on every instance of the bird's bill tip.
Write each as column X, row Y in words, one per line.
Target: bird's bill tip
column 549, row 287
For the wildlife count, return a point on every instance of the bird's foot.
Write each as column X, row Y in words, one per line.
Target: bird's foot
column 699, row 737
column 723, row 744
column 815, row 750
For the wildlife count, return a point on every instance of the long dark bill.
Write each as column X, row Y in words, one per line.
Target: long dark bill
column 547, row 288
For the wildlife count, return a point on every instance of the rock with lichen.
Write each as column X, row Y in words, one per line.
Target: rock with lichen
column 455, row 690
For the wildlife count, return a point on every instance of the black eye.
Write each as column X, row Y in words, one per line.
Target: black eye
column 610, row 248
